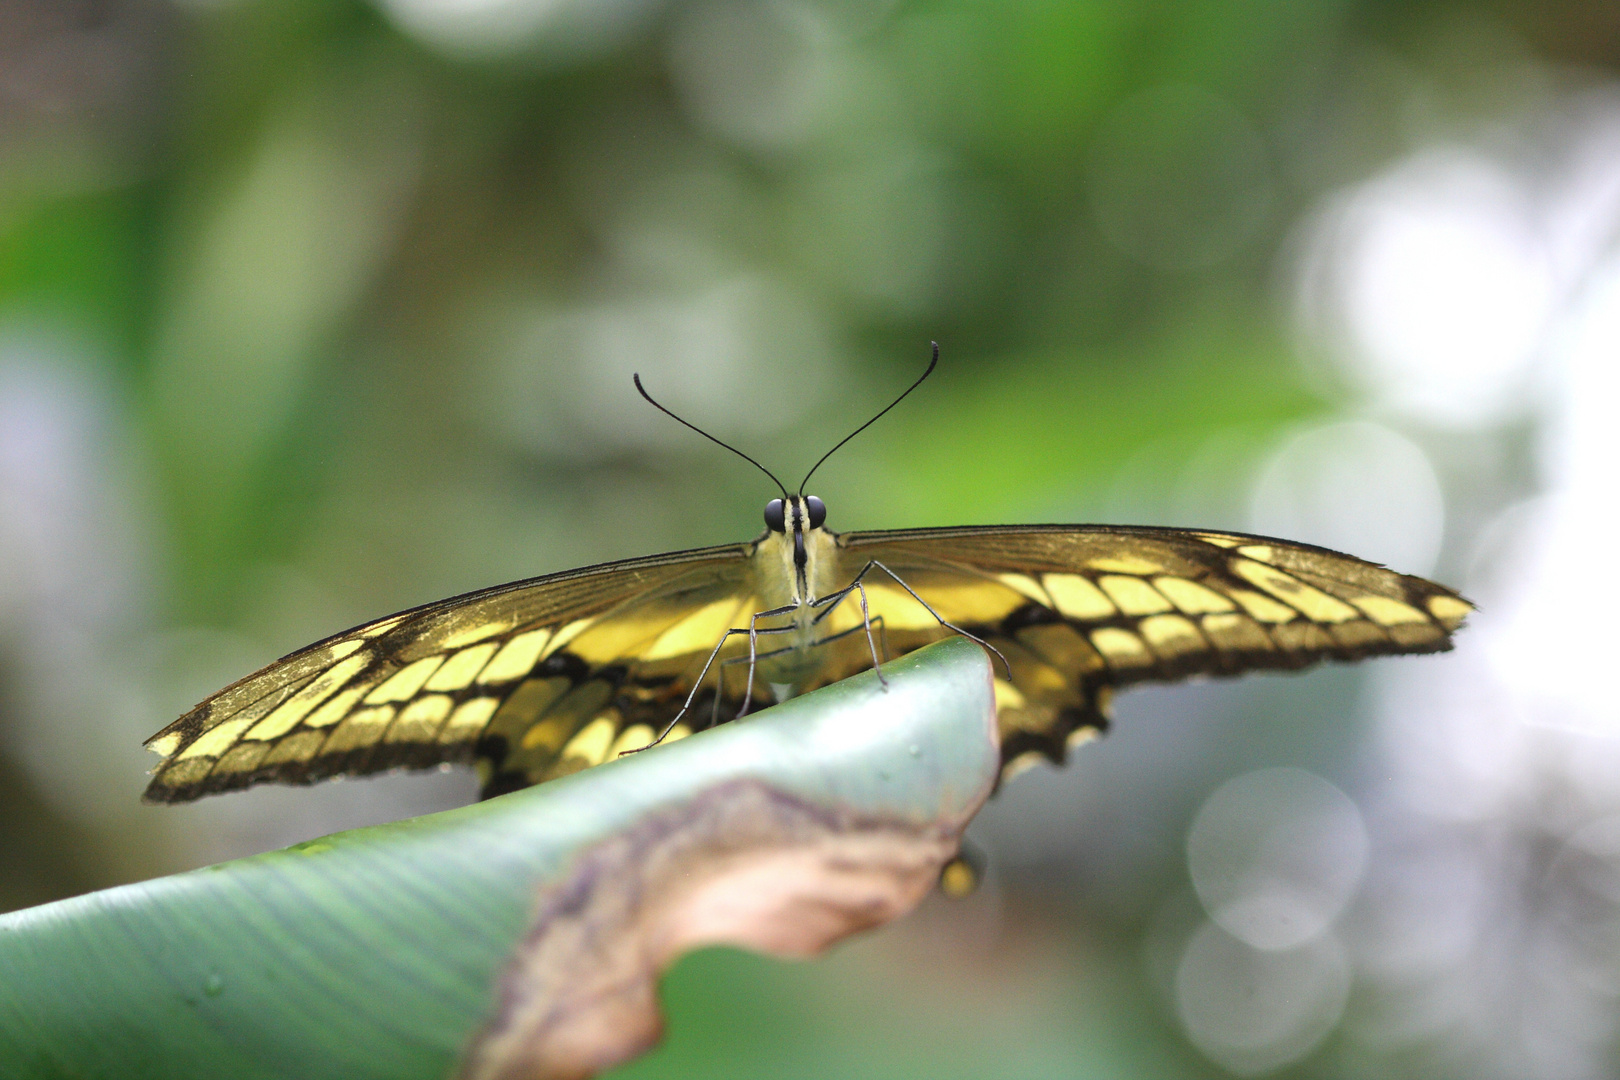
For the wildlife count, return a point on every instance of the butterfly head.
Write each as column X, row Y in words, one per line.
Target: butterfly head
column 797, row 514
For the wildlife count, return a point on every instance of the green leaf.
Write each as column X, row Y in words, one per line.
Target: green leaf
column 387, row 951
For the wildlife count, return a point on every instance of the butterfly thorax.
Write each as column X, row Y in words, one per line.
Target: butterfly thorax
column 792, row 567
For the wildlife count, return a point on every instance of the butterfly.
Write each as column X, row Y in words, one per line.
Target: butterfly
column 541, row 678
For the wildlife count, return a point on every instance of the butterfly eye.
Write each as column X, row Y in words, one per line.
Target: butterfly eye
column 818, row 511
column 773, row 516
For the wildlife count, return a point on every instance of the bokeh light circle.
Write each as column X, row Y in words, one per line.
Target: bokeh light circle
column 1275, row 855
column 1252, row 1010
column 1433, row 289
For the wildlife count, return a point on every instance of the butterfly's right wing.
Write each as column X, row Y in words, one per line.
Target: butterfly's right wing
column 529, row 680
column 1078, row 611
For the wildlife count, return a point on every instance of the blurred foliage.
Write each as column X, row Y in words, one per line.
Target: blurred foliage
column 344, row 299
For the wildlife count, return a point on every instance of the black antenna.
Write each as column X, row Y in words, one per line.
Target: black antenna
column 872, row 421
column 636, row 378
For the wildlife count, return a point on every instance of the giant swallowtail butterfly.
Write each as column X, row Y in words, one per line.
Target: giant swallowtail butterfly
column 541, row 678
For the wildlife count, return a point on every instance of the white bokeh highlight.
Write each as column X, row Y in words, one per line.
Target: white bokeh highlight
column 73, row 578
column 1253, row 1011
column 1435, row 288
column 1479, row 288
column 1550, row 636
column 561, row 30
column 1275, row 855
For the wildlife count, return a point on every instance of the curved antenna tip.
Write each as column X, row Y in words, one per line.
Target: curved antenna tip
column 934, row 360
column 635, row 377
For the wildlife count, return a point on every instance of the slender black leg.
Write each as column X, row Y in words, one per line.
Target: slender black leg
column 753, row 648
column 948, row 625
column 866, row 621
column 720, row 677
column 697, row 684
column 876, row 621
column 874, row 564
column 831, row 601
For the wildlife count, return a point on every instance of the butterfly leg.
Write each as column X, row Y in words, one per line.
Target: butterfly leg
column 832, row 600
column 720, row 676
column 877, row 621
column 753, row 648
column 866, row 621
column 874, row 564
column 697, row 684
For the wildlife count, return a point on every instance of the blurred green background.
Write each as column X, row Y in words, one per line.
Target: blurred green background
column 311, row 311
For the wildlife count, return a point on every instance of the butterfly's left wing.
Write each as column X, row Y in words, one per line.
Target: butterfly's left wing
column 1078, row 611
column 528, row 680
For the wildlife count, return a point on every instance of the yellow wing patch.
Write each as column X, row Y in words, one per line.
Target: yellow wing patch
column 516, row 658
column 1133, row 596
column 405, row 683
column 1192, row 598
column 1450, row 610
column 1314, row 604
column 1078, row 597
